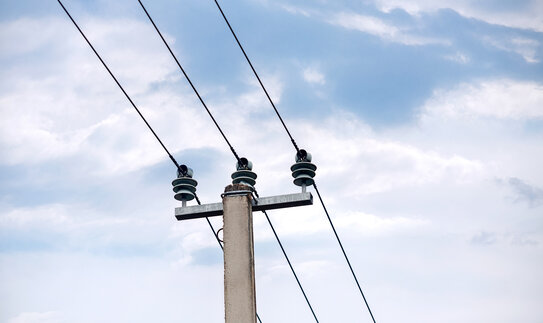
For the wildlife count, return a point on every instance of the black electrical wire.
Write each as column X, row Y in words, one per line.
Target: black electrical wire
column 288, row 261
column 297, row 151
column 343, row 250
column 120, row 86
column 258, row 77
column 215, row 234
column 190, row 82
column 231, row 148
column 142, row 117
column 290, row 265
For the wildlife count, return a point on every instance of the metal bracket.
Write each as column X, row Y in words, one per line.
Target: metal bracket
column 263, row 203
column 240, row 192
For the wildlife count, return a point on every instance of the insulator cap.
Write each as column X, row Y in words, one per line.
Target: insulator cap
column 244, row 164
column 302, row 156
column 184, row 186
column 303, row 171
column 184, row 171
column 244, row 173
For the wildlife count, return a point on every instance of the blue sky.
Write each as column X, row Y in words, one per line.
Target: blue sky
column 425, row 120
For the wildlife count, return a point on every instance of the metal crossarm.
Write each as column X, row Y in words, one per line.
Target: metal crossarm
column 260, row 204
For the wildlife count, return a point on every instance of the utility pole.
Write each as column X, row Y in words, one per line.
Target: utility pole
column 239, row 265
column 237, row 206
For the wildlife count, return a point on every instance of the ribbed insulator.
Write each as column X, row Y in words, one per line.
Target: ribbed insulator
column 244, row 173
column 303, row 171
column 184, row 186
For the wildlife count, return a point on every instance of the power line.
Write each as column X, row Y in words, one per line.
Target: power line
column 289, row 264
column 215, row 234
column 119, row 84
column 288, row 261
column 141, row 115
column 343, row 250
column 190, row 82
column 258, row 78
column 297, row 151
column 231, row 148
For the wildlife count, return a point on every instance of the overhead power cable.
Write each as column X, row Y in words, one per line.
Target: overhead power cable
column 142, row 117
column 297, row 151
column 289, row 264
column 212, row 228
column 119, row 84
column 291, row 268
column 216, row 234
column 343, row 251
column 258, row 78
column 231, row 148
column 190, row 82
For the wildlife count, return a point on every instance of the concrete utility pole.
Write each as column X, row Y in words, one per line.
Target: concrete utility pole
column 239, row 273
column 238, row 204
column 239, row 265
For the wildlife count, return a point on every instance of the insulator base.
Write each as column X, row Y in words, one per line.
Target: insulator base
column 246, row 177
column 184, row 188
column 303, row 173
column 184, row 195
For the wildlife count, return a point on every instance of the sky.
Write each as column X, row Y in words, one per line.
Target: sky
column 424, row 118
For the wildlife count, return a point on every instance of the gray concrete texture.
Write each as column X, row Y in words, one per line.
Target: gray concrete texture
column 239, row 273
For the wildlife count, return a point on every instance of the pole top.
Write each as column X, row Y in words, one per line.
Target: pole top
column 238, row 187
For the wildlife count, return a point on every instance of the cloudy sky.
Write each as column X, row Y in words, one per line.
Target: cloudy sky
column 425, row 119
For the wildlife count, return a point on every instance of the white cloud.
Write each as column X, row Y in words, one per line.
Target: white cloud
column 11, row 33
column 55, row 215
column 369, row 224
column 313, row 75
column 78, row 111
column 60, row 217
column 313, row 269
column 526, row 15
column 38, row 317
column 41, row 121
column 459, row 58
column 304, row 221
column 254, row 99
column 87, row 289
column 418, row 191
column 503, row 99
column 525, row 47
column 525, row 192
column 295, row 10
column 88, row 229
column 376, row 164
column 380, row 28
column 368, row 24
